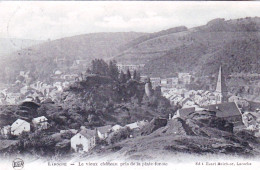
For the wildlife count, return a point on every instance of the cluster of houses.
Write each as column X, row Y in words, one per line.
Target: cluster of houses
column 21, row 90
column 20, row 126
column 83, row 140
column 224, row 106
column 171, row 82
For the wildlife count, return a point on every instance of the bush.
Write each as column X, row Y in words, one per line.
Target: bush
column 122, row 134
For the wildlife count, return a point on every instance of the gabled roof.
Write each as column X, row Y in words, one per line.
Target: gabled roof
column 18, row 123
column 224, row 109
column 104, row 129
column 88, row 133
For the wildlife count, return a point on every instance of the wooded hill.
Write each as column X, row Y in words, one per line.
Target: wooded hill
column 232, row 43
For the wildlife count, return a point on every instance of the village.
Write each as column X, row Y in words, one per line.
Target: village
column 230, row 108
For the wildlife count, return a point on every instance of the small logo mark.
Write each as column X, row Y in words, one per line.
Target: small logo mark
column 18, row 164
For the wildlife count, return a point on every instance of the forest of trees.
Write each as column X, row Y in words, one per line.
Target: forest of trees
column 100, row 67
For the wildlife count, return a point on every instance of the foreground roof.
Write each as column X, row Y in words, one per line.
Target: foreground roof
column 225, row 109
column 104, row 129
column 88, row 133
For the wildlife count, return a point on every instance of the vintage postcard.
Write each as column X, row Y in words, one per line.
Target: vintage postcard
column 129, row 85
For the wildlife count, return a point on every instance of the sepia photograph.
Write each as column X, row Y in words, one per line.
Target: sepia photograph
column 143, row 85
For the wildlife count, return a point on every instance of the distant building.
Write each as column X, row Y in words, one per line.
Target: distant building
column 173, row 81
column 40, row 122
column 156, row 81
column 83, row 141
column 104, row 131
column 130, row 67
column 184, row 78
column 20, row 126
column 132, row 125
column 116, row 128
column 136, row 125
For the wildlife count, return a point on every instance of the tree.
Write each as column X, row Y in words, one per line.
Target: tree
column 113, row 70
column 122, row 77
column 128, row 75
column 100, row 67
column 136, row 76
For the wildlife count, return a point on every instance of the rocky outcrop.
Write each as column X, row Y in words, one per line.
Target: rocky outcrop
column 153, row 125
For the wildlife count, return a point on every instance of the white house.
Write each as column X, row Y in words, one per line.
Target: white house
column 40, row 122
column 20, row 126
column 83, row 141
column 132, row 125
column 103, row 131
column 116, row 128
column 137, row 125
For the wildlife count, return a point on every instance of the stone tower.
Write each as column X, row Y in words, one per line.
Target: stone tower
column 148, row 88
column 221, row 89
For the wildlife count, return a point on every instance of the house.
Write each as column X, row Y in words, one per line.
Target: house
column 156, row 81
column 6, row 131
column 173, row 81
column 229, row 111
column 73, row 131
column 176, row 100
column 185, row 78
column 20, row 126
column 84, row 141
column 40, row 122
column 116, row 128
column 132, row 125
column 186, row 102
column 103, row 131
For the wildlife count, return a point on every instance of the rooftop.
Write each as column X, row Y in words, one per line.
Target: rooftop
column 104, row 129
column 224, row 109
column 88, row 133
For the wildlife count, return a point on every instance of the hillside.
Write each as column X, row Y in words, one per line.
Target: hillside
column 10, row 45
column 61, row 53
column 199, row 134
column 232, row 43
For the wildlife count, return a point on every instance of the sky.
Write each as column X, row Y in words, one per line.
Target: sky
column 42, row 20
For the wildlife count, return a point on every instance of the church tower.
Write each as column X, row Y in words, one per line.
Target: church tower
column 221, row 89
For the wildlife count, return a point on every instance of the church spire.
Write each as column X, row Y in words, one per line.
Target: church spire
column 221, row 89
